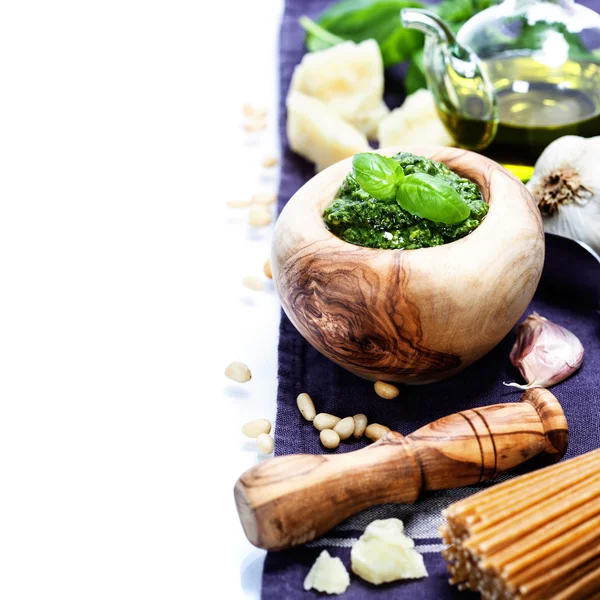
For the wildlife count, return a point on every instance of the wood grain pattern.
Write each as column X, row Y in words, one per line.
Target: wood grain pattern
column 411, row 316
column 290, row 500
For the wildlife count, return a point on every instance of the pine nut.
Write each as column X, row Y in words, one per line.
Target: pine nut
column 264, row 198
column 325, row 421
column 360, row 424
column 252, row 110
column 239, row 203
column 259, row 216
column 254, row 428
column 239, row 372
column 267, row 269
column 269, row 161
column 265, row 443
column 375, row 431
column 329, row 438
column 386, row 390
column 306, row 406
column 345, row 428
column 253, row 283
column 255, row 124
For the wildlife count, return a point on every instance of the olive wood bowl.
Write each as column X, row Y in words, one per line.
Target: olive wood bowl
column 409, row 316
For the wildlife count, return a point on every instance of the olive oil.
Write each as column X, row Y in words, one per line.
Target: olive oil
column 537, row 103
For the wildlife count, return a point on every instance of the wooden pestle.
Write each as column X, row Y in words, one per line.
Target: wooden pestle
column 290, row 500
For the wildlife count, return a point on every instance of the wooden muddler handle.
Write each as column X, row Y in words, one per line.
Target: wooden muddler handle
column 290, row 500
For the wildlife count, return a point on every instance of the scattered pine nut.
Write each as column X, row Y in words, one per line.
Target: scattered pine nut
column 254, row 428
column 238, row 371
column 264, row 198
column 255, row 124
column 239, row 203
column 269, row 161
column 325, row 421
column 265, row 443
column 374, row 431
column 360, row 424
column 306, row 407
column 329, row 438
column 253, row 283
column 267, row 268
column 252, row 110
column 345, row 428
column 259, row 216
column 386, row 390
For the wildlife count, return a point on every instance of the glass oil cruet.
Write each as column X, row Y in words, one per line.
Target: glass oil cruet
column 516, row 76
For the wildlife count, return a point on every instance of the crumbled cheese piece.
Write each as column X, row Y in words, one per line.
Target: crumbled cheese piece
column 415, row 123
column 328, row 575
column 320, row 135
column 384, row 553
column 348, row 78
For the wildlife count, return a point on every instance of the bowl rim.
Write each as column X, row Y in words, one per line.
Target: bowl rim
column 479, row 167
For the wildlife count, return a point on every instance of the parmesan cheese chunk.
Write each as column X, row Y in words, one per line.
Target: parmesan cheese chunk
column 415, row 123
column 328, row 575
column 384, row 553
column 348, row 78
column 319, row 134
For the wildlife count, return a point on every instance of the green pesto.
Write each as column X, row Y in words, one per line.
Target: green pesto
column 356, row 217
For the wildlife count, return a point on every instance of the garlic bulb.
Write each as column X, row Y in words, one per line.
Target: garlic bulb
column 566, row 186
column 544, row 352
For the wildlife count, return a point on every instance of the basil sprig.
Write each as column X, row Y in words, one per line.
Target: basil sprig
column 377, row 175
column 419, row 194
column 432, row 198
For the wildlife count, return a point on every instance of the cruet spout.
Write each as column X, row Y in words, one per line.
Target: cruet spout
column 463, row 93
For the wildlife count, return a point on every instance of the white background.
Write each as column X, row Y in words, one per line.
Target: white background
column 121, row 300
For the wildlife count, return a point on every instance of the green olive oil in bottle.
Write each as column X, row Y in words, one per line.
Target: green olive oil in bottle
column 538, row 103
column 516, row 77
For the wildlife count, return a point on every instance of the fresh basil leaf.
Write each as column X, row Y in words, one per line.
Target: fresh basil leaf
column 400, row 45
column 415, row 74
column 359, row 20
column 460, row 11
column 377, row 175
column 432, row 198
column 536, row 36
column 318, row 38
column 455, row 10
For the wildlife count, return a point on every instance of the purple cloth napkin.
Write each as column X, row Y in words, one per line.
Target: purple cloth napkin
column 303, row 369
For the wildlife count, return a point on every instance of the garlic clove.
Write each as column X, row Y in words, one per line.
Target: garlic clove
column 545, row 353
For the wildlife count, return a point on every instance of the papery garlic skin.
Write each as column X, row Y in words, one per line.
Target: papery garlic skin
column 545, row 353
column 566, row 186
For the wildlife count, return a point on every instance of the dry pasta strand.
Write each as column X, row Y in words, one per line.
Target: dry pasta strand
column 535, row 537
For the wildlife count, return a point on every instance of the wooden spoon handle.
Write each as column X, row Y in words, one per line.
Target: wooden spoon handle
column 290, row 500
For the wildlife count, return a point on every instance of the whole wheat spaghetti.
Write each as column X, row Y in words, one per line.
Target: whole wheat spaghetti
column 536, row 537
